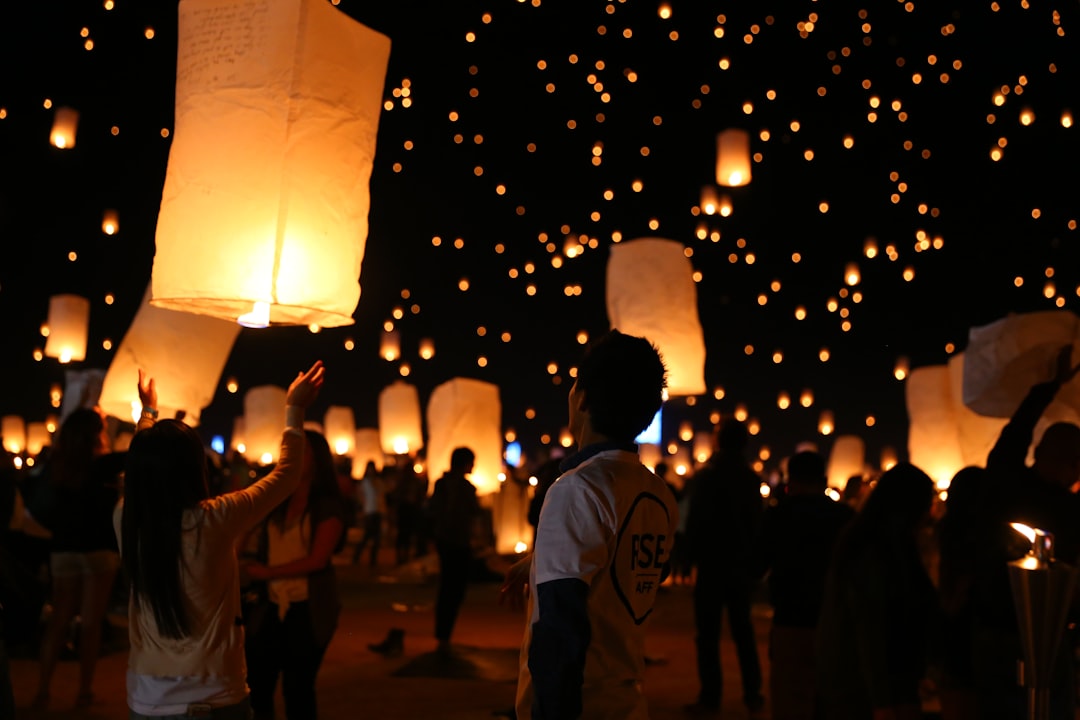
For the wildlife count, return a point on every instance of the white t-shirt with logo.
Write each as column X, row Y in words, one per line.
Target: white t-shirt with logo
column 610, row 523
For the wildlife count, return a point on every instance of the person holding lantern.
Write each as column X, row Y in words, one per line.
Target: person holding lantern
column 178, row 546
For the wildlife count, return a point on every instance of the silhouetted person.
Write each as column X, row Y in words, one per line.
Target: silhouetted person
column 880, row 606
column 601, row 548
column 722, row 528
column 797, row 539
column 373, row 496
column 1038, row 496
column 452, row 511
column 958, row 540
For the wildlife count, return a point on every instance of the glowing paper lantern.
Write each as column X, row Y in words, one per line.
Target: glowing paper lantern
column 1005, row 358
column 110, row 222
column 340, row 429
column 888, row 458
column 650, row 455
column 933, row 435
column 390, row 345
column 710, row 200
column 826, row 424
column 427, row 348
column 399, row 419
column 264, row 211
column 847, row 458
column 703, row 445
column 651, row 293
column 510, row 517
column 13, row 432
column 69, row 316
column 184, row 353
column 463, row 412
column 65, row 123
column 368, row 448
column 733, row 158
column 37, row 438
column 264, row 420
column 236, row 442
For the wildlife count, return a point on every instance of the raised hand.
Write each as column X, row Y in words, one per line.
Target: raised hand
column 515, row 585
column 305, row 388
column 147, row 391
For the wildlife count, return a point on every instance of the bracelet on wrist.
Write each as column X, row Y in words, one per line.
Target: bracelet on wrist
column 150, row 412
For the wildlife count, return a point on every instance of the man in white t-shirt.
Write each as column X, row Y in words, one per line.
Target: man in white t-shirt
column 602, row 546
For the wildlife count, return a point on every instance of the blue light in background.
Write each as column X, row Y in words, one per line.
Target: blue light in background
column 513, row 454
column 217, row 444
column 651, row 434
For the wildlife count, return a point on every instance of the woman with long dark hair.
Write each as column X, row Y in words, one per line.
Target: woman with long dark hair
column 880, row 605
column 178, row 546
column 84, row 480
column 296, row 546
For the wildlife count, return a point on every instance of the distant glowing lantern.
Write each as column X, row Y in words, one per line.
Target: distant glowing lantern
column 264, row 419
column 464, row 412
column 686, row 431
column 427, row 348
column 651, row 293
column 710, row 200
column 237, row 442
column 902, row 368
column 68, row 319
column 847, row 458
column 13, row 432
column 888, row 458
column 184, row 353
column 368, row 448
column 110, row 222
column 263, row 217
column 510, row 517
column 826, row 424
column 703, row 445
column 851, row 274
column 399, row 419
column 733, row 158
column 681, row 461
column 65, row 123
column 339, row 425
column 933, row 435
column 565, row 438
column 390, row 345
column 38, row 438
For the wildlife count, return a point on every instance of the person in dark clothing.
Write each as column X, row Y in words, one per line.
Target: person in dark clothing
column 546, row 475
column 797, row 539
column 85, row 479
column 722, row 527
column 958, row 547
column 879, row 607
column 1039, row 496
column 452, row 510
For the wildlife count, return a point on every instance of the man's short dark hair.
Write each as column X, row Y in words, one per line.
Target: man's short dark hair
column 622, row 378
column 462, row 458
column 807, row 468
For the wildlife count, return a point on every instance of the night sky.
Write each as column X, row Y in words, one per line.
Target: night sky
column 520, row 117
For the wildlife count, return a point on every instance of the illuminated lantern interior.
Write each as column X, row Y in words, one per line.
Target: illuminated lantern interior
column 65, row 124
column 368, row 448
column 264, row 420
column 733, row 158
column 339, row 426
column 400, row 419
column 69, row 316
column 847, row 458
column 464, row 412
column 263, row 216
column 13, row 432
column 933, row 435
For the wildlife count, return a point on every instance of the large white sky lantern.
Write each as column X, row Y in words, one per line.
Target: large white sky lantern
column 651, row 293
column 933, row 429
column 69, row 317
column 264, row 418
column 339, row 426
column 466, row 412
column 185, row 355
column 400, row 419
column 1005, row 358
column 264, row 213
column 733, row 158
column 846, row 459
column 976, row 433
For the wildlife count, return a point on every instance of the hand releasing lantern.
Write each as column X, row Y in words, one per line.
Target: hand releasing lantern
column 264, row 211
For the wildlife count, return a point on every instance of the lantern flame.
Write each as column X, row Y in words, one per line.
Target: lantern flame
column 259, row 317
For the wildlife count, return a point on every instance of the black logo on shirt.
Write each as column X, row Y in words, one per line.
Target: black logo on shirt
column 641, row 551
